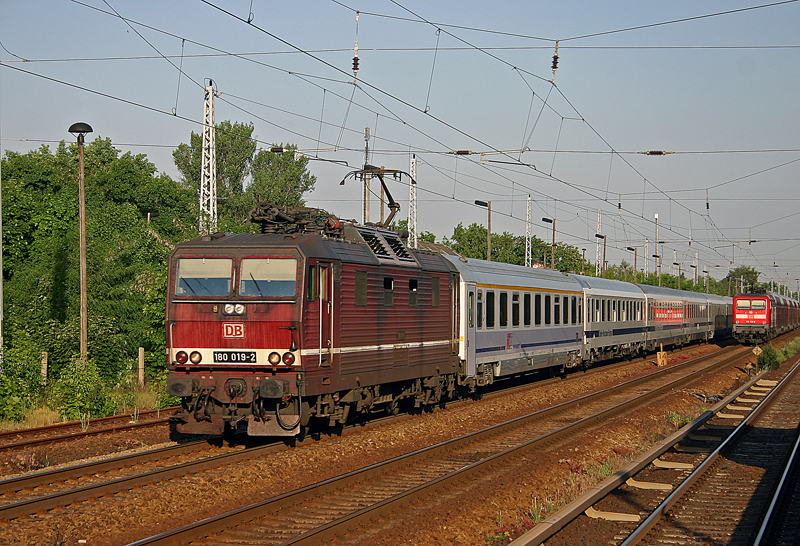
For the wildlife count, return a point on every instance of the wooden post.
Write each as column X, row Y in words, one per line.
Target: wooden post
column 661, row 357
column 141, row 366
column 44, row 369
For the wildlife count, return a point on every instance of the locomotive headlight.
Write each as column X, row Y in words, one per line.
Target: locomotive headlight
column 233, row 309
column 182, row 357
column 195, row 357
column 288, row 358
column 274, row 358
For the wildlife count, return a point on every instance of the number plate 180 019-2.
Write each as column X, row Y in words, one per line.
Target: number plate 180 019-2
column 235, row 357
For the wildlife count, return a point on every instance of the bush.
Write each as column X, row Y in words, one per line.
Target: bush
column 80, row 392
column 769, row 359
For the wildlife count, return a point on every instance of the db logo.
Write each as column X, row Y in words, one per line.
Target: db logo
column 233, row 330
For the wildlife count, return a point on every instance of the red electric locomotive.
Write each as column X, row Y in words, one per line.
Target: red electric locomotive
column 760, row 316
column 315, row 320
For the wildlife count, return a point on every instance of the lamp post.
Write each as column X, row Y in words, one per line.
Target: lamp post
column 603, row 269
column 79, row 130
column 553, row 248
column 680, row 273
column 695, row 272
column 488, row 205
column 658, row 264
column 583, row 262
column 707, row 274
column 635, row 251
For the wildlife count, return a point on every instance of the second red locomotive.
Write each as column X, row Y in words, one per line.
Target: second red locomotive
column 760, row 316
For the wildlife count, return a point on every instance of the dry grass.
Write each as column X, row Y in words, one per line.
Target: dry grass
column 36, row 417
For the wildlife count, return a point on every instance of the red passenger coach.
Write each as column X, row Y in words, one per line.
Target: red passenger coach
column 316, row 320
column 759, row 317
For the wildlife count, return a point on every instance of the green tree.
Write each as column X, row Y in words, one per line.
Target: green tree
column 126, row 261
column 234, row 153
column 274, row 176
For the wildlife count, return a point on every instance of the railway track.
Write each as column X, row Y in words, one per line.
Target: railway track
column 349, row 503
column 718, row 493
column 39, row 436
column 725, row 499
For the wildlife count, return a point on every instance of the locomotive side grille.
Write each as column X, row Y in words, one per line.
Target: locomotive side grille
column 397, row 247
column 376, row 245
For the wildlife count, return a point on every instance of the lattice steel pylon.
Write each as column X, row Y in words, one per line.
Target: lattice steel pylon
column 412, row 204
column 208, row 177
column 528, row 236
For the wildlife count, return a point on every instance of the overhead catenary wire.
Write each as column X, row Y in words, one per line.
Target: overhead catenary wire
column 512, row 182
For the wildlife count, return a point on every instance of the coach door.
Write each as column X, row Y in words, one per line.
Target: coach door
column 469, row 332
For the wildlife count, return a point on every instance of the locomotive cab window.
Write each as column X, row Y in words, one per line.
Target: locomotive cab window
column 204, row 277
column 268, row 277
column 759, row 305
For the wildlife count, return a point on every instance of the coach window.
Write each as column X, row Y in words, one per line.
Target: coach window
column 435, row 292
column 361, row 288
column 548, row 310
column 413, row 293
column 526, row 309
column 388, row 291
column 503, row 309
column 480, row 309
column 566, row 309
column 471, row 309
column 490, row 308
column 556, row 310
column 515, row 310
column 538, row 314
column 603, row 306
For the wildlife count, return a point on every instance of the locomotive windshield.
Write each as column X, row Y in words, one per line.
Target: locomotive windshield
column 751, row 304
column 268, row 277
column 204, row 277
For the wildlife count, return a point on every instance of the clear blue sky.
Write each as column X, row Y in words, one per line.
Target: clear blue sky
column 719, row 91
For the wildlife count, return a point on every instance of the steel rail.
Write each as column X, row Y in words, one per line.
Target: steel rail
column 74, row 435
column 98, row 420
column 650, row 522
column 386, row 468
column 774, row 514
column 46, row 477
column 55, row 500
column 557, row 521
